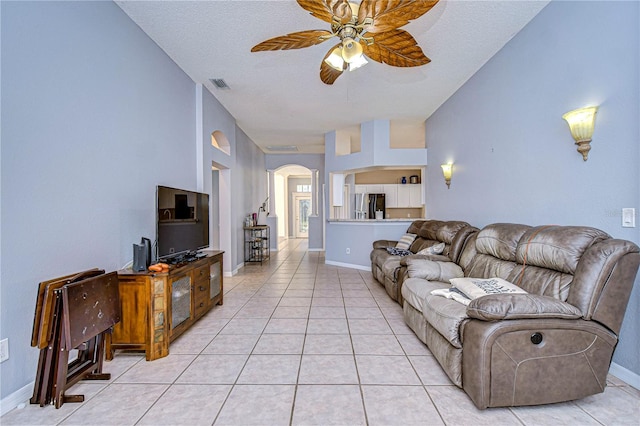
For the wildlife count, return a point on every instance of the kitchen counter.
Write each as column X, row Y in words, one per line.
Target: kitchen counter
column 372, row 221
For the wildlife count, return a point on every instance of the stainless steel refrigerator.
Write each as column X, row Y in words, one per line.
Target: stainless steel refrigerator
column 376, row 206
column 360, row 206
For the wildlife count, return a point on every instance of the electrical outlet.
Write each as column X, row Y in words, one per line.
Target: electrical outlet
column 348, row 250
column 4, row 350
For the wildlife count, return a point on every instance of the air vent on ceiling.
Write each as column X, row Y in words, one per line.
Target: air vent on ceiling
column 219, row 83
column 282, row 148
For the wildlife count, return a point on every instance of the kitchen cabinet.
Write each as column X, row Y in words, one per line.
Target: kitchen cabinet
column 391, row 195
column 410, row 195
column 415, row 195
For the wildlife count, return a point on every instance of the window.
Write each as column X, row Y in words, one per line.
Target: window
column 303, row 188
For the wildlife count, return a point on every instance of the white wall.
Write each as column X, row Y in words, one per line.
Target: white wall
column 86, row 137
column 215, row 118
column 515, row 160
column 249, row 186
column 94, row 116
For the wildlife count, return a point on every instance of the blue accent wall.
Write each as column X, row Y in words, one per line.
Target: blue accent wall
column 514, row 158
column 86, row 137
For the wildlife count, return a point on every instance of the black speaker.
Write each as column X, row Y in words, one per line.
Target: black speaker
column 142, row 255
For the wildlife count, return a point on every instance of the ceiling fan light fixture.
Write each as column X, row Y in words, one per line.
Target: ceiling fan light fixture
column 356, row 22
column 351, row 49
column 357, row 63
column 334, row 60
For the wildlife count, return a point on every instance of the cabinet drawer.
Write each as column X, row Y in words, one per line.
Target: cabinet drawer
column 201, row 302
column 201, row 290
column 201, row 273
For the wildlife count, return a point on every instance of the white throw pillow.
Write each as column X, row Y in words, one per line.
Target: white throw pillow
column 478, row 287
column 405, row 241
column 434, row 249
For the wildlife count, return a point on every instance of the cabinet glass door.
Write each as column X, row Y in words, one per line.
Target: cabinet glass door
column 180, row 301
column 214, row 280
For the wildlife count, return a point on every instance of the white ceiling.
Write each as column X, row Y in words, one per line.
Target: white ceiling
column 277, row 97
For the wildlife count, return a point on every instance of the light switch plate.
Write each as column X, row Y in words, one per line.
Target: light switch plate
column 628, row 218
column 4, row 350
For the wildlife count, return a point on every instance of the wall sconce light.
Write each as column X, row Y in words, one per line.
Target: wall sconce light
column 581, row 122
column 446, row 172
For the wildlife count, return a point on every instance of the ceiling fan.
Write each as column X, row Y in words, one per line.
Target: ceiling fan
column 371, row 29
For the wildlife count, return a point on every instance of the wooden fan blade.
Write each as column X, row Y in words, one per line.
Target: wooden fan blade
column 329, row 74
column 397, row 48
column 296, row 40
column 342, row 11
column 321, row 9
column 391, row 14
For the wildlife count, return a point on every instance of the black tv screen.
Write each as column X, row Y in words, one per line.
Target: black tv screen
column 182, row 223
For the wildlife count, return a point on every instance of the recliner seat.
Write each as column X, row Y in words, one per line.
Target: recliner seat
column 550, row 345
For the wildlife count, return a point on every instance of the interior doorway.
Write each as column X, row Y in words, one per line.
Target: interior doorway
column 292, row 182
column 214, row 227
column 301, row 212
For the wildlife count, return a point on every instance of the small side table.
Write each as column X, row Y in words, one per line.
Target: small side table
column 256, row 243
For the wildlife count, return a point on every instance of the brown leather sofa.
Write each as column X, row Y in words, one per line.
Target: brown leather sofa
column 550, row 345
column 390, row 270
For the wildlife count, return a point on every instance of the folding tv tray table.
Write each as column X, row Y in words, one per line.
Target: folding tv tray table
column 72, row 312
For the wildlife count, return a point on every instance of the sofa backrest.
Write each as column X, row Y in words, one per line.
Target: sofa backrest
column 494, row 253
column 549, row 256
column 431, row 232
column 577, row 264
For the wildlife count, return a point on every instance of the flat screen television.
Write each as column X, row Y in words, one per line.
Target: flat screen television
column 182, row 221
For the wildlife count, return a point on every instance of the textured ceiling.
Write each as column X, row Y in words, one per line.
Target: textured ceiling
column 277, row 97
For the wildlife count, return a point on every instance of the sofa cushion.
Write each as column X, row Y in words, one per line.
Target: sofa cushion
column 405, row 241
column 495, row 251
column 414, row 291
column 429, row 229
column 558, row 248
column 415, row 226
column 434, row 249
column 500, row 240
column 433, row 271
column 444, row 315
column 542, row 281
column 495, row 307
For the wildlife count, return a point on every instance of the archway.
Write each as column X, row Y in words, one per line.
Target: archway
column 220, row 141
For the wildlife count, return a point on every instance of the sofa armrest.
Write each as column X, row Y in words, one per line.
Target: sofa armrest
column 383, row 244
column 495, row 307
column 432, row 257
column 502, row 365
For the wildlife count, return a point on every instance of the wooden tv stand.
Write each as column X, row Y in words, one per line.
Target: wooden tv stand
column 156, row 307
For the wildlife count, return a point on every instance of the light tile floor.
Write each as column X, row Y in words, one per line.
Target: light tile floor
column 301, row 342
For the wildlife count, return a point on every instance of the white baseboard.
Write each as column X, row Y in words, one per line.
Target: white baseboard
column 627, row 376
column 234, row 272
column 21, row 396
column 348, row 265
column 315, row 249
